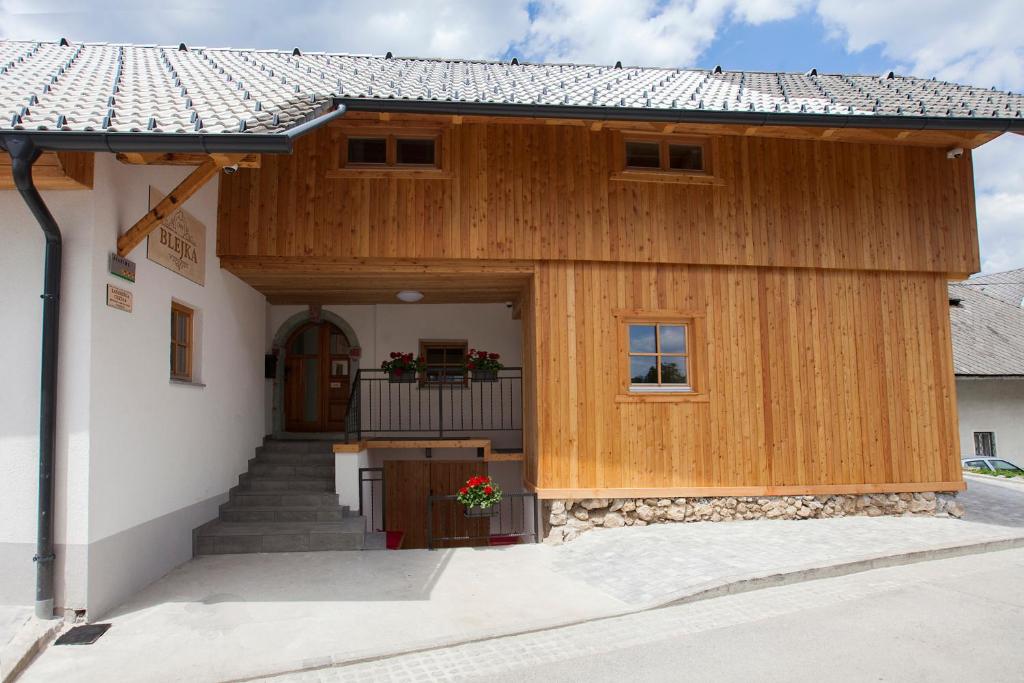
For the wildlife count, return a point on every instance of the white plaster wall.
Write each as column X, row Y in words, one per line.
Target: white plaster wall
column 164, row 451
column 21, row 270
column 384, row 328
column 992, row 405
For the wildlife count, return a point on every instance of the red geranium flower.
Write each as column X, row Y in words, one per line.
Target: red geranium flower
column 494, row 356
column 488, row 490
column 463, row 490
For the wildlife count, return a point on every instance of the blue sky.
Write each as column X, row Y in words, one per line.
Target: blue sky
column 981, row 46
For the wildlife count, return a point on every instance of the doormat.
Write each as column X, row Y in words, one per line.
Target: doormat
column 83, row 635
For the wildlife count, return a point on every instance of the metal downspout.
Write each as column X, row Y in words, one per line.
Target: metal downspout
column 23, row 155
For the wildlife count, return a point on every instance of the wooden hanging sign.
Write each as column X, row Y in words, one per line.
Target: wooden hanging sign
column 178, row 243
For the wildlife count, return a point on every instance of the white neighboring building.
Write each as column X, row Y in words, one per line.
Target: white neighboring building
column 987, row 318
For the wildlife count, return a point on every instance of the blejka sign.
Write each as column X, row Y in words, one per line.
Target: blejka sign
column 178, row 243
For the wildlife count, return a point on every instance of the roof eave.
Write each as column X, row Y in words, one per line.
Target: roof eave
column 747, row 118
column 195, row 143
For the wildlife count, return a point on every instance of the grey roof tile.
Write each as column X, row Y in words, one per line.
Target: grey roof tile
column 122, row 87
column 988, row 333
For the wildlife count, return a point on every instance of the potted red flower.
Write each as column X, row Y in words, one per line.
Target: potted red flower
column 403, row 367
column 483, row 365
column 479, row 495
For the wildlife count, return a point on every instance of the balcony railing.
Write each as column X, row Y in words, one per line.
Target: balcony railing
column 453, row 406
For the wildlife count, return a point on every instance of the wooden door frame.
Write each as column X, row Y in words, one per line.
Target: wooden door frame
column 280, row 352
column 324, row 356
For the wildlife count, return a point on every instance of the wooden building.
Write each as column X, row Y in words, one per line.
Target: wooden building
column 704, row 284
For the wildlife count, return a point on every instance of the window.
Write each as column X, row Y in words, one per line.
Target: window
column 667, row 155
column 181, row 341
column 1003, row 466
column 412, row 150
column 985, row 444
column 367, row 150
column 444, row 360
column 976, row 465
column 658, row 357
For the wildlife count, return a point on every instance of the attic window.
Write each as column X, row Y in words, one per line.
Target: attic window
column 391, row 151
column 664, row 157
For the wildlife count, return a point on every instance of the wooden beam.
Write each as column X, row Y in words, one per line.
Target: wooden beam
column 185, row 189
column 182, row 159
column 596, row 126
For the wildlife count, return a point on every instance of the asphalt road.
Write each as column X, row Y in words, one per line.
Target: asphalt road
column 960, row 619
column 950, row 620
column 999, row 502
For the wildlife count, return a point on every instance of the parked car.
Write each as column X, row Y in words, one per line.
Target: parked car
column 996, row 465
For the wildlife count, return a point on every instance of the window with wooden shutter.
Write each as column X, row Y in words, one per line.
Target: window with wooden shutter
column 182, row 318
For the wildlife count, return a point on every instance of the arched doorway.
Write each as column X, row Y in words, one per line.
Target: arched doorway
column 317, row 369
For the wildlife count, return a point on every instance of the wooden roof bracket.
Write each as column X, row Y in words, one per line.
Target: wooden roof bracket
column 166, row 206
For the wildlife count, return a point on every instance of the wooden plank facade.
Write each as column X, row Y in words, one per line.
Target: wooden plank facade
column 814, row 272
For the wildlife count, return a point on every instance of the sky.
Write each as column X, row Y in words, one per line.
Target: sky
column 980, row 43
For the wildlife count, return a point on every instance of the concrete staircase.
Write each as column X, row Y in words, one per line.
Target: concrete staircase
column 284, row 503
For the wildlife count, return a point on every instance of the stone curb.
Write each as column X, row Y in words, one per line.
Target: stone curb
column 714, row 589
column 1015, row 483
column 31, row 639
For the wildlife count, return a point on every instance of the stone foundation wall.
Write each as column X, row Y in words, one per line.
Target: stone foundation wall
column 565, row 520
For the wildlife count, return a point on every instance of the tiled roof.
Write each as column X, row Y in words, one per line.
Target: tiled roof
column 130, row 88
column 1007, row 286
column 988, row 334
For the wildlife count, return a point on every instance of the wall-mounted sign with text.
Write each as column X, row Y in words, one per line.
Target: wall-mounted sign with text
column 119, row 298
column 178, row 243
column 121, row 267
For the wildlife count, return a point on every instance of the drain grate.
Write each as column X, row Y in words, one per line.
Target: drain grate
column 83, row 635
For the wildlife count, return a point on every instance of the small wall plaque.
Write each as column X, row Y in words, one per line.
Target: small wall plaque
column 119, row 298
column 121, row 267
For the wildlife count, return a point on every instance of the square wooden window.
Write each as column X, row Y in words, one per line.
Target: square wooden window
column 444, row 360
column 657, row 356
column 367, row 151
column 182, row 319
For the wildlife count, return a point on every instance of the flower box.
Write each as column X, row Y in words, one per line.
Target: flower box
column 484, row 375
column 476, row 511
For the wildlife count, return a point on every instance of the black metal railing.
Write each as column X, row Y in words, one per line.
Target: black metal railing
column 379, row 405
column 371, row 498
column 514, row 520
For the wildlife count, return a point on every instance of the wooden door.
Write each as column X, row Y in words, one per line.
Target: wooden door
column 447, row 478
column 316, row 379
column 406, row 487
column 407, row 483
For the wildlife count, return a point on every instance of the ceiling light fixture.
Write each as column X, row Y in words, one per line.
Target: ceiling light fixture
column 409, row 296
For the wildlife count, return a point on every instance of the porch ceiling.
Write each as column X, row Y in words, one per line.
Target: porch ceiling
column 308, row 281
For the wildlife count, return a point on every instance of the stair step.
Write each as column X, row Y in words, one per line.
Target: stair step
column 300, row 469
column 247, row 482
column 294, row 513
column 297, row 446
column 283, row 498
column 219, row 537
column 293, row 458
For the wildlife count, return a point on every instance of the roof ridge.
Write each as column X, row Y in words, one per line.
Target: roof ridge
column 467, row 60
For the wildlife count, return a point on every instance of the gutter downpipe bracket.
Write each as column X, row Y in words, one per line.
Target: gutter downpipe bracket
column 23, row 153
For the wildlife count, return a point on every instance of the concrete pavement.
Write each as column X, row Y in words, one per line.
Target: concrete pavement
column 949, row 620
column 229, row 617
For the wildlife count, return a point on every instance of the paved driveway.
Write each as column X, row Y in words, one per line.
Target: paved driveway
column 229, row 617
column 993, row 502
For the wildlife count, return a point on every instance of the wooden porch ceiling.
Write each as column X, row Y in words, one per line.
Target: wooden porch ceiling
column 312, row 281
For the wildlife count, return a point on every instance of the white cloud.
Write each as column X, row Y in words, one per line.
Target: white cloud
column 459, row 28
column 981, row 44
